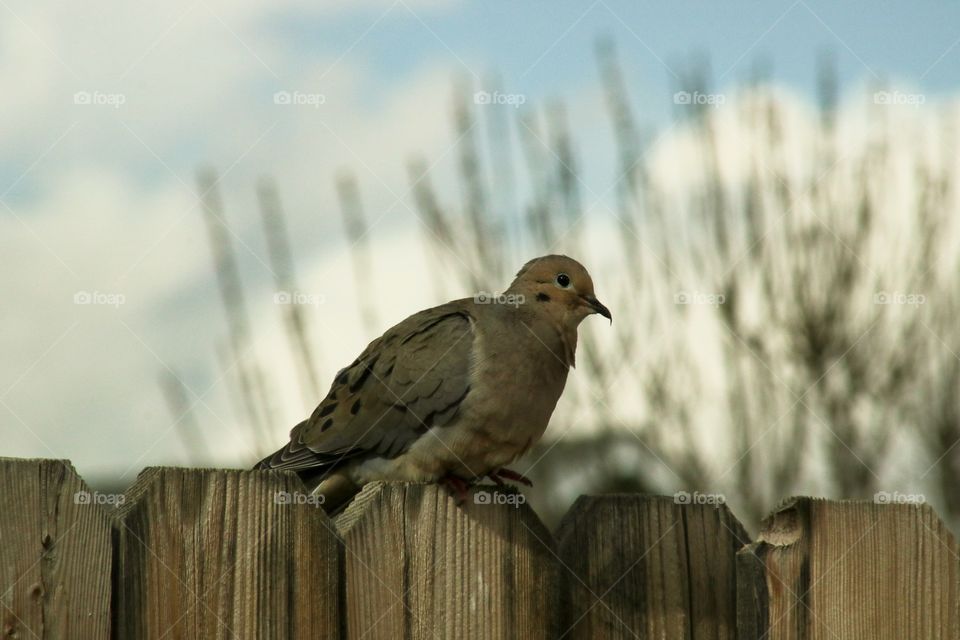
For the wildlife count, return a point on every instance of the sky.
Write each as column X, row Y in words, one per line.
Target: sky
column 111, row 108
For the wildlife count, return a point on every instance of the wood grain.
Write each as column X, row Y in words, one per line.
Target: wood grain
column 55, row 555
column 240, row 554
column 224, row 554
column 850, row 570
column 637, row 566
column 420, row 567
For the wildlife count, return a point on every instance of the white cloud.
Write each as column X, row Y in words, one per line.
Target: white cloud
column 103, row 202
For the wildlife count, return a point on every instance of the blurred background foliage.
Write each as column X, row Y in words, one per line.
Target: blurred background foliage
column 784, row 291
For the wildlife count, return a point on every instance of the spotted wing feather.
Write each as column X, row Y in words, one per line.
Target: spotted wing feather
column 412, row 378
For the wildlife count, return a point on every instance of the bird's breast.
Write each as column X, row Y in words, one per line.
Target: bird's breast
column 515, row 388
column 516, row 379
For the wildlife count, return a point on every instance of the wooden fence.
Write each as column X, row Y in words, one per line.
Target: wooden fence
column 195, row 553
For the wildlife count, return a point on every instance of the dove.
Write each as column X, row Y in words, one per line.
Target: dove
column 452, row 394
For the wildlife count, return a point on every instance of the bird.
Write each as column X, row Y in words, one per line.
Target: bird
column 452, row 394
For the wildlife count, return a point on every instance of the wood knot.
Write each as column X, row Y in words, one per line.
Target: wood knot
column 784, row 527
column 10, row 627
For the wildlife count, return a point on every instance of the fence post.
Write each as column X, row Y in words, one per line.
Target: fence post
column 419, row 566
column 645, row 566
column 845, row 570
column 224, row 554
column 54, row 553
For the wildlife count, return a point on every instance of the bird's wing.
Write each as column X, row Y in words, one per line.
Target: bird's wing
column 412, row 378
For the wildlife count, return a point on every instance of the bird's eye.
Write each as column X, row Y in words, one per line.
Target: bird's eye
column 563, row 280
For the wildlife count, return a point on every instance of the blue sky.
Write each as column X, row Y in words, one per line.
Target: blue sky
column 95, row 197
column 545, row 48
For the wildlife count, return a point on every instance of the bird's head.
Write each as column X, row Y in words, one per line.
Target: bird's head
column 562, row 286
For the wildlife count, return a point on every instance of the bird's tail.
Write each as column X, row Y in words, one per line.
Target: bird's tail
column 265, row 463
column 334, row 486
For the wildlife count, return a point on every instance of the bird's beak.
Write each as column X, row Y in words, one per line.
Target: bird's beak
column 598, row 307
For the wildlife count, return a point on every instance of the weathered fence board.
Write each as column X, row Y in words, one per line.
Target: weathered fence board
column 224, row 554
column 647, row 567
column 419, row 566
column 196, row 553
column 55, row 553
column 850, row 570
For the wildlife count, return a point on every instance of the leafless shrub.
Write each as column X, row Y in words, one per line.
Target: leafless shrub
column 796, row 375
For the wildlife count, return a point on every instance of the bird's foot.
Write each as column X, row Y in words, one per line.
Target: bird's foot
column 457, row 486
column 499, row 475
